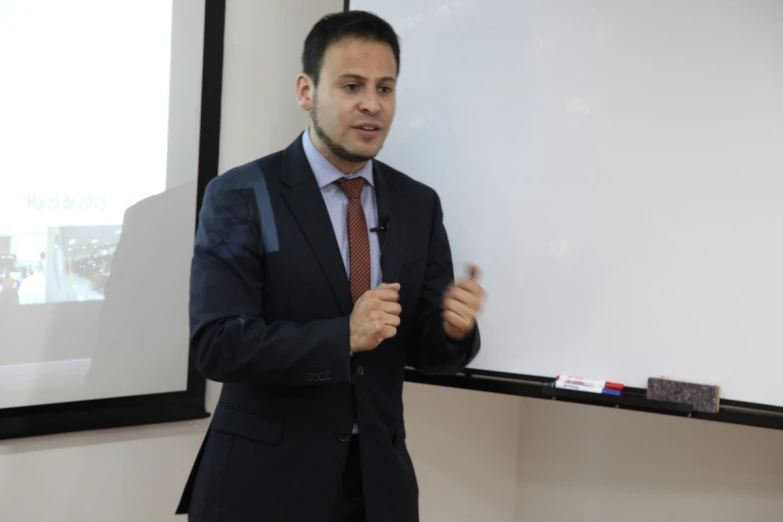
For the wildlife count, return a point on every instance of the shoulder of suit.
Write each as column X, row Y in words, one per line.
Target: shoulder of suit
column 246, row 175
column 404, row 181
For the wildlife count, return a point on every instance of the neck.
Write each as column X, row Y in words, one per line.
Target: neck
column 343, row 165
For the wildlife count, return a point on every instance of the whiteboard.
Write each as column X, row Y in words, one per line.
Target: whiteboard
column 616, row 169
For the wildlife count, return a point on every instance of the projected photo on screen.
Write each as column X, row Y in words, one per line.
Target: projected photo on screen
column 22, row 268
column 99, row 127
column 86, row 261
column 60, row 264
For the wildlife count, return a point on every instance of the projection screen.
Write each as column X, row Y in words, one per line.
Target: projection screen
column 101, row 131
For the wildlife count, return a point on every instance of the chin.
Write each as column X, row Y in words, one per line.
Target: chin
column 356, row 154
column 368, row 151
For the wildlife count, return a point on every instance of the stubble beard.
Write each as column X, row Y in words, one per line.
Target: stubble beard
column 334, row 147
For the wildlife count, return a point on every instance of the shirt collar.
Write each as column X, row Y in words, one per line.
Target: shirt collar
column 325, row 172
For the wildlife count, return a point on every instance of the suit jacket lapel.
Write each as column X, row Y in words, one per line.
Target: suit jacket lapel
column 307, row 205
column 391, row 240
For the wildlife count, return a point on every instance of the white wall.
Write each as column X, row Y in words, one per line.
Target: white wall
column 479, row 456
column 600, row 464
column 483, row 457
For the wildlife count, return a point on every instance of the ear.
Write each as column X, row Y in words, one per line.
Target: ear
column 304, row 91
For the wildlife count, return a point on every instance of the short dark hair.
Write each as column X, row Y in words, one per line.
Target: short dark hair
column 345, row 24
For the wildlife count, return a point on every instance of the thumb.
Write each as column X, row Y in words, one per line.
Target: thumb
column 391, row 286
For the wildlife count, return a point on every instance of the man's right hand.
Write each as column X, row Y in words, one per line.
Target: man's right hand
column 375, row 317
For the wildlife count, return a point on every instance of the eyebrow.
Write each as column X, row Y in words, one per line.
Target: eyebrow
column 351, row 76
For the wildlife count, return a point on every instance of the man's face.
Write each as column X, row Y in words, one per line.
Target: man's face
column 353, row 106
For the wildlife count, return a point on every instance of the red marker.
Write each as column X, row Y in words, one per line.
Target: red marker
column 592, row 383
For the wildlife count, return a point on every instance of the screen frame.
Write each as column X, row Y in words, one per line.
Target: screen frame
column 49, row 419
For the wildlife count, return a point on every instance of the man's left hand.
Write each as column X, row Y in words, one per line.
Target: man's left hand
column 461, row 303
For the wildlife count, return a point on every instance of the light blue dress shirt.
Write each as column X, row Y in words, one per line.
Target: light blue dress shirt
column 337, row 205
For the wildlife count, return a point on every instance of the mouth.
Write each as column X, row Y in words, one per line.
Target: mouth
column 368, row 130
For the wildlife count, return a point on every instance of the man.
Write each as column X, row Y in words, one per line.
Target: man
column 318, row 275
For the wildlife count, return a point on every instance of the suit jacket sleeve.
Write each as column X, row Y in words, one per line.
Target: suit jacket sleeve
column 431, row 350
column 230, row 339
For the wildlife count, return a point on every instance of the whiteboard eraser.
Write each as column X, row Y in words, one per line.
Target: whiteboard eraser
column 703, row 397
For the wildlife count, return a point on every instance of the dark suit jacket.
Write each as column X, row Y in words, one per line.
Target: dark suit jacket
column 270, row 307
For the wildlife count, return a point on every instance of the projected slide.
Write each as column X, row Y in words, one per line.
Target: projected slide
column 84, row 129
column 99, row 126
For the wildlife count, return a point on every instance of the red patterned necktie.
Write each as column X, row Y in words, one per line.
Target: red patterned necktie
column 358, row 237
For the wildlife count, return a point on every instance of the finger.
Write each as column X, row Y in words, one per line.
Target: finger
column 391, row 307
column 389, row 332
column 386, row 294
column 461, row 309
column 456, row 320
column 378, row 327
column 381, row 319
column 391, row 320
column 470, row 285
column 453, row 332
column 391, row 286
column 473, row 271
column 464, row 296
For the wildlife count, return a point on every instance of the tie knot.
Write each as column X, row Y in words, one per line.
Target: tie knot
column 351, row 187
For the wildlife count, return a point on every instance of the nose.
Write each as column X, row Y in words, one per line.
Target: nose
column 370, row 103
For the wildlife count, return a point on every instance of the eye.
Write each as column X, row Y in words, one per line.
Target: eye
column 351, row 87
column 385, row 89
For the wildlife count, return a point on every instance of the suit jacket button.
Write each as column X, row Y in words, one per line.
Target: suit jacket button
column 360, row 371
column 345, row 435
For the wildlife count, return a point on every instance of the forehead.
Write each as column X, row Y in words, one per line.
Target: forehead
column 360, row 56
